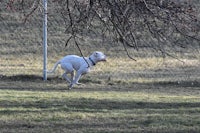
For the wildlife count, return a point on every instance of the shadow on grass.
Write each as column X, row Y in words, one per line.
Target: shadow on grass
column 97, row 106
column 37, row 83
column 31, row 78
column 92, row 105
column 35, row 78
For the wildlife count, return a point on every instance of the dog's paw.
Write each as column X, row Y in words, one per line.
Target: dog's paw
column 70, row 86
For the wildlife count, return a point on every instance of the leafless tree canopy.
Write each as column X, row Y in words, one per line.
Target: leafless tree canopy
column 154, row 24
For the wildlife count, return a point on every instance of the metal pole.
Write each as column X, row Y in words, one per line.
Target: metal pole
column 45, row 40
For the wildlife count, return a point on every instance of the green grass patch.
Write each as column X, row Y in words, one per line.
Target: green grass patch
column 97, row 111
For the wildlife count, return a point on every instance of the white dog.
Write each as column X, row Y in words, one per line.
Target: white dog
column 81, row 65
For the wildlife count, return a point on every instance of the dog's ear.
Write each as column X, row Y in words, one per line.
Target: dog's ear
column 95, row 54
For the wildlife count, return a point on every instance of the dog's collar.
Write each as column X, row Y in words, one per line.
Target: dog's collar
column 93, row 63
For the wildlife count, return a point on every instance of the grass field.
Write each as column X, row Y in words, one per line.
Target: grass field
column 97, row 111
column 140, row 97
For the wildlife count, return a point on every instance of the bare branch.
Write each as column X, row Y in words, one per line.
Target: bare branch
column 34, row 6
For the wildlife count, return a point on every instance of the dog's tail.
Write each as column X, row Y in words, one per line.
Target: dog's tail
column 54, row 68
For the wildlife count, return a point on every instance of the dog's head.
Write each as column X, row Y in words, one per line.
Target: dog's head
column 98, row 56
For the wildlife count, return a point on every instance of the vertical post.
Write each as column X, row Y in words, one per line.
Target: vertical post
column 45, row 40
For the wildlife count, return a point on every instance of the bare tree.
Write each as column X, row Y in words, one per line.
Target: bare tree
column 134, row 23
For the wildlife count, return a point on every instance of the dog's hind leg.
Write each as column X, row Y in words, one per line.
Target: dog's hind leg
column 68, row 68
column 72, row 76
column 75, row 81
column 66, row 77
